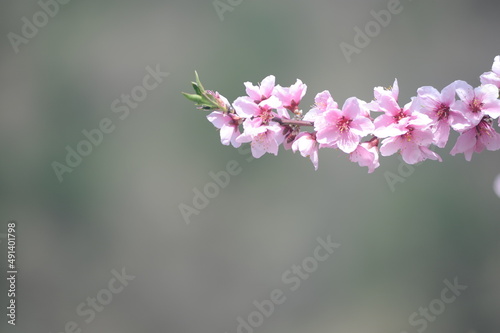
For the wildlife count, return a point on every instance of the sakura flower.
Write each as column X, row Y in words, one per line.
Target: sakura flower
column 395, row 118
column 264, row 139
column 322, row 102
column 228, row 125
column 483, row 136
column 392, row 92
column 436, row 105
column 414, row 144
column 475, row 103
column 345, row 127
column 258, row 113
column 366, row 154
column 494, row 76
column 306, row 144
column 262, row 91
column 291, row 96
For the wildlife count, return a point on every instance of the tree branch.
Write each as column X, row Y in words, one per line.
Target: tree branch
column 282, row 121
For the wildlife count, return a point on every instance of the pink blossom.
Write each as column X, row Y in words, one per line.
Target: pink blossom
column 395, row 118
column 322, row 102
column 366, row 154
column 436, row 105
column 307, row 145
column 263, row 91
column 264, row 139
column 392, row 92
column 483, row 136
column 494, row 76
column 477, row 102
column 291, row 96
column 414, row 144
column 257, row 113
column 345, row 127
column 228, row 125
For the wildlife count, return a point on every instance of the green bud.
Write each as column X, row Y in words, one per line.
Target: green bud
column 194, row 98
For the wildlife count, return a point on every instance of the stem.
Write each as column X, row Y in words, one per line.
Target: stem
column 282, row 121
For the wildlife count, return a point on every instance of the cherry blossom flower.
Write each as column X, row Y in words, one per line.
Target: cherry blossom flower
column 256, row 114
column 475, row 103
column 366, row 154
column 414, row 144
column 228, row 125
column 263, row 91
column 392, row 92
column 291, row 96
column 492, row 77
column 395, row 118
column 263, row 139
column 436, row 105
column 307, row 145
column 483, row 136
column 345, row 127
column 322, row 102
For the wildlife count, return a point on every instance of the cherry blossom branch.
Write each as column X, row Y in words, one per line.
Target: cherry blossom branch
column 269, row 116
column 283, row 121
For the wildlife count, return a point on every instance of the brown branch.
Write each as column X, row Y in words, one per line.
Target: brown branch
column 282, row 121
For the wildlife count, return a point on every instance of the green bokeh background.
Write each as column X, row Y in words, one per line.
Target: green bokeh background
column 120, row 206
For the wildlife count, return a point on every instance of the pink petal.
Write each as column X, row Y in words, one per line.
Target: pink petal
column 486, row 93
column 390, row 146
column 429, row 96
column 327, row 136
column 464, row 91
column 348, row 142
column 385, row 126
column 389, row 105
column 362, row 126
column 411, row 153
column 465, row 144
column 245, row 107
column 218, row 119
column 448, row 94
column 429, row 154
column 253, row 91
column 441, row 134
column 492, row 108
column 490, row 140
column 351, row 108
column 267, row 86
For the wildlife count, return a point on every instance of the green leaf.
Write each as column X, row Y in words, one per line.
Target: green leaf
column 199, row 82
column 197, row 88
column 194, row 98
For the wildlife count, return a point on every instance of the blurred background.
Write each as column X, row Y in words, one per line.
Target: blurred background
column 119, row 208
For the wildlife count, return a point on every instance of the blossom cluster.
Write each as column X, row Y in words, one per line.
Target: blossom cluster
column 269, row 116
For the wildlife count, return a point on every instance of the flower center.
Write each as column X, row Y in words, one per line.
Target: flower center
column 400, row 115
column 408, row 135
column 443, row 112
column 476, row 105
column 484, row 127
column 266, row 116
column 343, row 124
